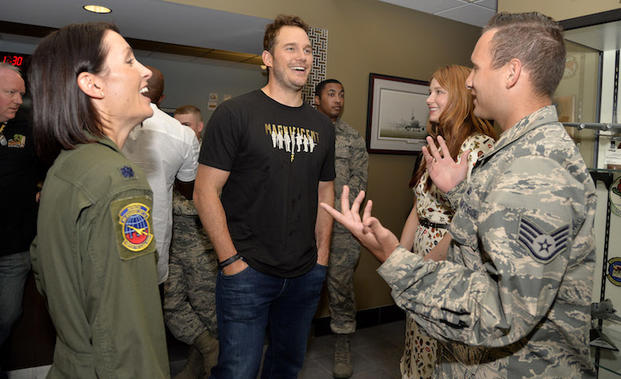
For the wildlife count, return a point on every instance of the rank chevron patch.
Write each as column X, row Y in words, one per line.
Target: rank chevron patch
column 542, row 246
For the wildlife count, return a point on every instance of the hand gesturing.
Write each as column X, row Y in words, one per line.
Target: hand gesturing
column 443, row 170
column 368, row 230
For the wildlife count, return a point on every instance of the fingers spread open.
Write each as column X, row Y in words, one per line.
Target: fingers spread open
column 443, row 147
column 367, row 211
column 427, row 156
column 333, row 212
column 355, row 207
column 372, row 224
column 431, row 146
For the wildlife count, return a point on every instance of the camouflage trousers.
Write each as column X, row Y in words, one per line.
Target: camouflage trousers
column 344, row 254
column 190, row 293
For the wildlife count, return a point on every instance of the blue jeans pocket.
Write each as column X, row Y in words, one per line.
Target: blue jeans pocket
column 223, row 275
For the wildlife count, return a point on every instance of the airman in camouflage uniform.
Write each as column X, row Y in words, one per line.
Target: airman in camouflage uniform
column 518, row 276
column 513, row 297
column 189, row 292
column 351, row 169
column 351, row 160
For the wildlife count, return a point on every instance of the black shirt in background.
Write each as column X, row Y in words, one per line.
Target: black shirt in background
column 270, row 197
column 19, row 174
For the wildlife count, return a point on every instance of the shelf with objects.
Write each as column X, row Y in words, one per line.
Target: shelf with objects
column 587, row 102
column 607, row 136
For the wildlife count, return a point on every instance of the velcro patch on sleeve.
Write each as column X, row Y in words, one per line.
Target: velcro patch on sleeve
column 133, row 227
column 542, row 246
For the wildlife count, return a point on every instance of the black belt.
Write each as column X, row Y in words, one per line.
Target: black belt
column 426, row 223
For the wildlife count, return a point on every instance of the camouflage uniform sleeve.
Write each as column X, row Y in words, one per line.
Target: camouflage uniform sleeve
column 525, row 226
column 179, row 316
column 359, row 166
column 183, row 206
column 454, row 195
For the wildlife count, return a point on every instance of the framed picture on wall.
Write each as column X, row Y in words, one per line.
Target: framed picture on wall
column 396, row 115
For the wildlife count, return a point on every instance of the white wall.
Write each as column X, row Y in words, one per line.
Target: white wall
column 191, row 80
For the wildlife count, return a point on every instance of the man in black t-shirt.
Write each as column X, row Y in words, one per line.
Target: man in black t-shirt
column 18, row 177
column 271, row 158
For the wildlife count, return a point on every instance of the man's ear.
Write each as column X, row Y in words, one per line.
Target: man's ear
column 514, row 70
column 316, row 100
column 268, row 59
column 90, row 85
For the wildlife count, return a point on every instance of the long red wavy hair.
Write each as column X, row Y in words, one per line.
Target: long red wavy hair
column 457, row 122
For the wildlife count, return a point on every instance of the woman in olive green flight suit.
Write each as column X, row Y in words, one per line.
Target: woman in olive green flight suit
column 94, row 255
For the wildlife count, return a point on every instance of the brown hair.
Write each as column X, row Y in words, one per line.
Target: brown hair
column 63, row 115
column 457, row 122
column 155, row 84
column 189, row 109
column 536, row 40
column 271, row 30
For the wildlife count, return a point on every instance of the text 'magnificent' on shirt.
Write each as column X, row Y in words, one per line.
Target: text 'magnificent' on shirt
column 292, row 139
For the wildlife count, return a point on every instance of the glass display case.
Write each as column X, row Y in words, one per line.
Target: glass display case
column 587, row 102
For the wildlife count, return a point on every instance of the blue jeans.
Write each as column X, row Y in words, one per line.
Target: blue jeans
column 14, row 269
column 249, row 301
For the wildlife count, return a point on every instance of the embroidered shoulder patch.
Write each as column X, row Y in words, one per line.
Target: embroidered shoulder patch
column 18, row 141
column 543, row 247
column 136, row 230
column 131, row 220
column 614, row 271
column 132, row 224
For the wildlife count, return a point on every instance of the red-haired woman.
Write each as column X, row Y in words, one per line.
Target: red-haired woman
column 425, row 231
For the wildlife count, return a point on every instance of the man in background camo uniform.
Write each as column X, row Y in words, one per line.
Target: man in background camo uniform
column 515, row 289
column 351, row 161
column 189, row 292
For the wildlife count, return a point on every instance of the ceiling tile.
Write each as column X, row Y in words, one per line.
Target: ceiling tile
column 491, row 4
column 152, row 20
column 427, row 6
column 469, row 14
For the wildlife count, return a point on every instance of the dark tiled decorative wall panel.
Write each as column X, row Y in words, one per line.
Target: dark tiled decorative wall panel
column 319, row 41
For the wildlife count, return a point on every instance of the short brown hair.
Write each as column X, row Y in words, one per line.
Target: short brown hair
column 536, row 40
column 189, row 109
column 271, row 30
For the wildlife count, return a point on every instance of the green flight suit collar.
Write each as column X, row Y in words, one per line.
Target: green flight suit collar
column 104, row 140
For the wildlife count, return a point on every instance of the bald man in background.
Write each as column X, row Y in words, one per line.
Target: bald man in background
column 19, row 173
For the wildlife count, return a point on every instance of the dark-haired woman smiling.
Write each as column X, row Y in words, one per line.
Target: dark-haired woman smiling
column 94, row 255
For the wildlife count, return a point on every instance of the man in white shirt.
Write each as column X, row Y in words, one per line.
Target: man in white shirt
column 190, row 116
column 165, row 150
